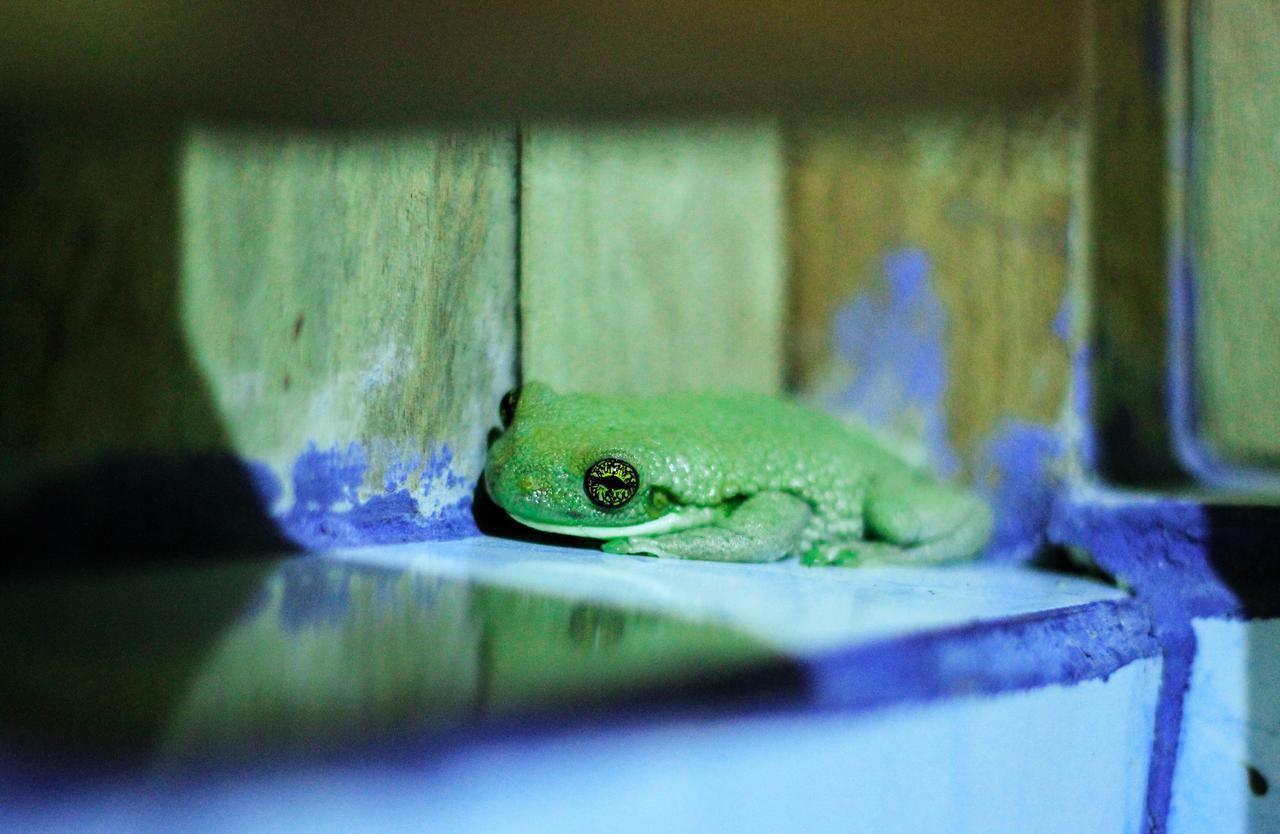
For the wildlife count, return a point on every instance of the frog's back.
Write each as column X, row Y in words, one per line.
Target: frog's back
column 765, row 442
column 759, row 420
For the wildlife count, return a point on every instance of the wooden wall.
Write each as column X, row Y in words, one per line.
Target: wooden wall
column 952, row 226
column 652, row 256
column 350, row 300
column 214, row 336
column 1235, row 176
column 337, row 312
column 929, row 287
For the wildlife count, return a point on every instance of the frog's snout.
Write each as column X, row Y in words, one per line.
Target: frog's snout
column 539, row 490
column 532, row 484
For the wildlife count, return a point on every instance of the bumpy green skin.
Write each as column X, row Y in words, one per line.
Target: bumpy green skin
column 740, row 477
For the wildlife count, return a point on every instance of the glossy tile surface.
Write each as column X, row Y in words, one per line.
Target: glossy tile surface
column 356, row 647
column 784, row 605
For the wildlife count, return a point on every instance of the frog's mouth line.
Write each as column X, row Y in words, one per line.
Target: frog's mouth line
column 678, row 520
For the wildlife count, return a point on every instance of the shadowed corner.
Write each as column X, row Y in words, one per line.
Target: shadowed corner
column 112, row 448
column 112, row 478
column 128, row 512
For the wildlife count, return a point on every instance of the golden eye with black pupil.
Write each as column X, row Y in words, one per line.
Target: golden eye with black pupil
column 610, row 483
column 507, row 408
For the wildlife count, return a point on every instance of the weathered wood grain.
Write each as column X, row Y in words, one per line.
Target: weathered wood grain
column 324, row 322
column 353, row 289
column 387, row 61
column 973, row 204
column 652, row 256
column 1235, row 228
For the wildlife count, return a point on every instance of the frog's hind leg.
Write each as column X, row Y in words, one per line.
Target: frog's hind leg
column 764, row 528
column 913, row 523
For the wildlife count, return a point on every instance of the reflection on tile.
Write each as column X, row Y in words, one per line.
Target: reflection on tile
column 247, row 660
column 351, row 647
column 784, row 605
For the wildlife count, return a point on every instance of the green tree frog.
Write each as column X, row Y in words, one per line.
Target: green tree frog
column 733, row 477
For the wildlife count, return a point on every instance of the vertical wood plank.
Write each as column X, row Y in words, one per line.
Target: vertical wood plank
column 652, row 256
column 930, row 293
column 951, row 227
column 354, row 289
column 325, row 319
column 1235, row 228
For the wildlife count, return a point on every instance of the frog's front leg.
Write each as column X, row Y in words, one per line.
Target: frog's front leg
column 913, row 523
column 764, row 528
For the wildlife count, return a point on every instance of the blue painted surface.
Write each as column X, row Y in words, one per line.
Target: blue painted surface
column 1064, row 321
column 1065, row 646
column 894, row 336
column 1200, row 559
column 1021, row 630
column 800, row 611
column 1017, row 474
column 1159, row 549
column 1231, row 721
column 1082, row 406
column 1183, row 559
column 328, row 509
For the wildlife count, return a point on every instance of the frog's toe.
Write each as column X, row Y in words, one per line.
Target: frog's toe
column 621, row 546
column 852, row 554
column 823, row 555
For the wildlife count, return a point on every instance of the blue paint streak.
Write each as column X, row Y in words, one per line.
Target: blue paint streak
column 264, row 482
column 327, row 510
column 1063, row 321
column 1160, row 548
column 1082, row 405
column 1062, row 646
column 1081, row 380
column 895, row 338
column 1017, row 476
column 1200, row 560
column 1184, row 559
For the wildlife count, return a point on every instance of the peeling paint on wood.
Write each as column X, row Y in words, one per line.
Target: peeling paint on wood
column 335, row 310
column 985, row 196
column 929, row 271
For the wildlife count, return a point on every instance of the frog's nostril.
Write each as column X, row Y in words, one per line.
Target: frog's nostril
column 532, row 483
column 507, row 408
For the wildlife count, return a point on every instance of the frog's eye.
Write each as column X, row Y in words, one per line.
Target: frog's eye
column 507, row 408
column 611, row 482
